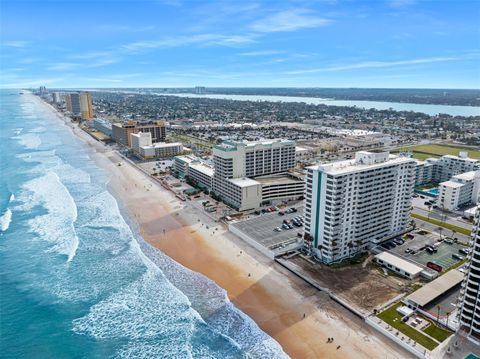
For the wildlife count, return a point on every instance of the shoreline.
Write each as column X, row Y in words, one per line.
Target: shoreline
column 260, row 288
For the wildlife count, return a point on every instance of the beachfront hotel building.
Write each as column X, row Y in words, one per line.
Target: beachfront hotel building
column 103, row 126
column 86, row 105
column 460, row 190
column 470, row 293
column 121, row 131
column 80, row 104
column 194, row 168
column 436, row 170
column 143, row 147
column 249, row 174
column 353, row 205
column 72, row 101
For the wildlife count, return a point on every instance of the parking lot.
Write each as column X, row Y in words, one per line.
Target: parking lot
column 261, row 229
column 442, row 257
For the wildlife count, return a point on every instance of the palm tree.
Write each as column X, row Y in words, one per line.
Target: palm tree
column 448, row 313
column 440, row 229
column 453, row 233
column 350, row 246
column 438, row 314
column 429, row 209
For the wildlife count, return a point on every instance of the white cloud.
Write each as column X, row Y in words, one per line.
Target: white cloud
column 63, row 66
column 400, row 3
column 374, row 64
column 261, row 53
column 289, row 20
column 16, row 44
column 30, row 83
column 200, row 39
column 125, row 28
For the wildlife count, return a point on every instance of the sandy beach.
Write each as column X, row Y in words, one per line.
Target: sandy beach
column 299, row 317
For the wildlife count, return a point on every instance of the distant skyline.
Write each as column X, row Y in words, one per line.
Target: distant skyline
column 176, row 43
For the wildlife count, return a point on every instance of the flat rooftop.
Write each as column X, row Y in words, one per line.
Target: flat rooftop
column 243, row 182
column 230, row 145
column 399, row 263
column 435, row 288
column 467, row 176
column 187, row 158
column 466, row 159
column 201, row 167
column 452, row 184
column 277, row 180
column 352, row 166
column 163, row 145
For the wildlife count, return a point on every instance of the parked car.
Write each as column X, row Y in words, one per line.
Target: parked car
column 457, row 256
column 399, row 241
column 277, row 229
column 408, row 250
column 448, row 241
column 281, row 213
column 464, row 250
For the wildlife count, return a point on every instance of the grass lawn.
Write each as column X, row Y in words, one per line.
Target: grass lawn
column 437, row 333
column 422, row 152
column 442, row 224
column 422, row 156
column 392, row 317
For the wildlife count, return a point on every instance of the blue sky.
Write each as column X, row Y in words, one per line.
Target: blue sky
column 175, row 43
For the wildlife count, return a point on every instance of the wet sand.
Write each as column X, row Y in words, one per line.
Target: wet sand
column 299, row 317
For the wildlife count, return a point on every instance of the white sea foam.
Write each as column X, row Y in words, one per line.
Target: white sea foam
column 29, row 140
column 12, row 198
column 5, row 220
column 56, row 226
column 215, row 308
column 39, row 129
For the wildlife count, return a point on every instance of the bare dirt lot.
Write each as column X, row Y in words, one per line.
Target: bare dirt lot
column 364, row 288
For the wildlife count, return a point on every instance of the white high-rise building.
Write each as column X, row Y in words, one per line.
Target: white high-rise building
column 57, row 97
column 454, row 165
column 470, row 292
column 354, row 204
column 441, row 169
column 460, row 190
column 238, row 162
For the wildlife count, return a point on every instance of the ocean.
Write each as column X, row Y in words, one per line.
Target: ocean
column 77, row 280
